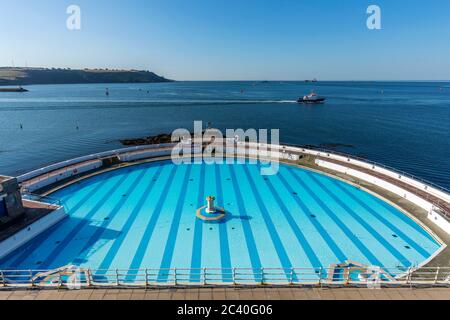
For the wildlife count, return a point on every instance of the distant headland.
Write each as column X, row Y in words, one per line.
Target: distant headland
column 10, row 76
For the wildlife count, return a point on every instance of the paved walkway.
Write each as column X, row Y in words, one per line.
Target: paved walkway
column 233, row 294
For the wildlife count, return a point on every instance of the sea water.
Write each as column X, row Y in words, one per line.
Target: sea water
column 401, row 124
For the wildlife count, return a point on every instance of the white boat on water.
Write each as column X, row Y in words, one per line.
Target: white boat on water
column 312, row 98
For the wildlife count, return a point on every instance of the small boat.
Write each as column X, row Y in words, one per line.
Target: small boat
column 312, row 98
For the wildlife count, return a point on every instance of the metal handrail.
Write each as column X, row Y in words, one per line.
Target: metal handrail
column 39, row 198
column 54, row 173
column 95, row 156
column 77, row 278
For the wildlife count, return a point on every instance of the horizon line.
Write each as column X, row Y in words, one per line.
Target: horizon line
column 231, row 80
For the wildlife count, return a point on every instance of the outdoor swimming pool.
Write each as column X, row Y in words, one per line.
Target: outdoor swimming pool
column 144, row 216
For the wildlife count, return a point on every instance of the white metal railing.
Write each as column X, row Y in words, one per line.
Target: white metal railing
column 39, row 198
column 77, row 278
column 96, row 156
column 61, row 174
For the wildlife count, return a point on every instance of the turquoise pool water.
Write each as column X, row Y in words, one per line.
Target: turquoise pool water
column 144, row 216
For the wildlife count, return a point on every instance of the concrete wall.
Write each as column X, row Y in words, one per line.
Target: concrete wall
column 128, row 157
column 56, row 166
column 439, row 220
column 25, row 235
column 11, row 198
column 3, row 212
column 64, row 174
column 95, row 161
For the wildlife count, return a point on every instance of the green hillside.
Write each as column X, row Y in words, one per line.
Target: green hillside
column 28, row 76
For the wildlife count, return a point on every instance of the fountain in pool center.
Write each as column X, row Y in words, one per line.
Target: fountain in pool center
column 210, row 212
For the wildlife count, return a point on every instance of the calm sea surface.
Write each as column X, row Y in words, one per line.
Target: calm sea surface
column 402, row 124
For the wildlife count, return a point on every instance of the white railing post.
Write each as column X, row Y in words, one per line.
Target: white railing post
column 31, row 278
column 175, row 275
column 409, row 277
column 2, row 277
column 347, row 280
column 320, row 276
column 59, row 279
column 88, row 280
column 436, row 277
column 291, row 282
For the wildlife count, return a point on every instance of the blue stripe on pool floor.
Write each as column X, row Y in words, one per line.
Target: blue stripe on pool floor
column 223, row 232
column 396, row 230
column 406, row 219
column 249, row 237
column 369, row 228
column 279, row 247
column 143, row 244
column 361, row 247
column 303, row 242
column 98, row 234
column 109, row 257
column 87, row 197
column 71, row 235
column 196, row 259
column 174, row 229
column 341, row 257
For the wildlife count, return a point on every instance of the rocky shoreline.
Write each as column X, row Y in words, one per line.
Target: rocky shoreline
column 20, row 89
column 167, row 138
column 158, row 139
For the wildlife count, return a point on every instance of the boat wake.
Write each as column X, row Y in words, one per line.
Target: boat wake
column 59, row 104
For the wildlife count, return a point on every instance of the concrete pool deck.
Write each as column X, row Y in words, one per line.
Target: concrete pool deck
column 208, row 294
column 34, row 211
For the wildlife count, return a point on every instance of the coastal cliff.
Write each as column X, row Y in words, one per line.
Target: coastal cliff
column 28, row 76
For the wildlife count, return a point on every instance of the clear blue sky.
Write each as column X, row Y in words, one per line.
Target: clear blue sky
column 234, row 39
